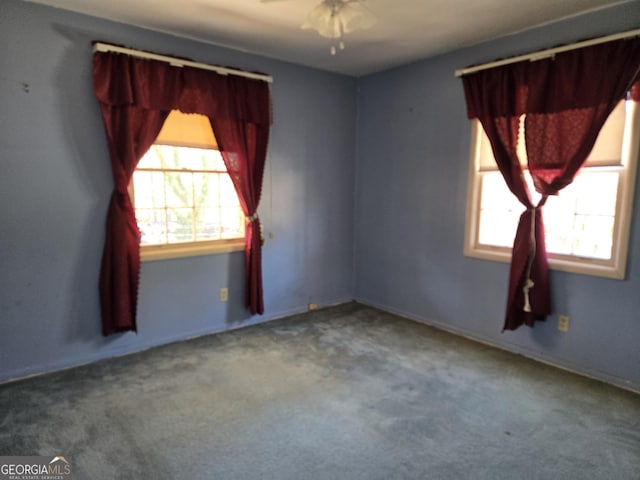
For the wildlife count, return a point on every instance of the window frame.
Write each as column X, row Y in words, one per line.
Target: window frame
column 150, row 253
column 615, row 267
column 190, row 248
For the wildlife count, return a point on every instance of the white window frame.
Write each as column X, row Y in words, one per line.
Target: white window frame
column 150, row 253
column 186, row 249
column 612, row 268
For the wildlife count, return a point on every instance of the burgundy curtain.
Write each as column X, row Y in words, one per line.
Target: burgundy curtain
column 566, row 100
column 135, row 97
column 243, row 146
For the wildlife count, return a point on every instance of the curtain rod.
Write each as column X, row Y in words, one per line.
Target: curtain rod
column 178, row 62
column 539, row 55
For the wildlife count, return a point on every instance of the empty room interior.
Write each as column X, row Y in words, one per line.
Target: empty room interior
column 347, row 275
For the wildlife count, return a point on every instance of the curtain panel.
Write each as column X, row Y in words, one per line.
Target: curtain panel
column 135, row 97
column 566, row 101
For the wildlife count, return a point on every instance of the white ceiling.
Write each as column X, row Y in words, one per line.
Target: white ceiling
column 407, row 30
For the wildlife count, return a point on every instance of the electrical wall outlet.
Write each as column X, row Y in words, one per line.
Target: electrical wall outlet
column 224, row 294
column 313, row 306
column 563, row 323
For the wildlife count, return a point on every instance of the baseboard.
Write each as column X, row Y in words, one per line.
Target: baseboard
column 512, row 348
column 36, row 370
column 66, row 364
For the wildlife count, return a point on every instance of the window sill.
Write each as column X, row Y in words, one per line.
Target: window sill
column 149, row 253
column 580, row 265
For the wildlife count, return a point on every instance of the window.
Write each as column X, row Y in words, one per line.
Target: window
column 184, row 199
column 585, row 232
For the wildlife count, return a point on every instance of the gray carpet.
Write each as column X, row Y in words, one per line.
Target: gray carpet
column 343, row 393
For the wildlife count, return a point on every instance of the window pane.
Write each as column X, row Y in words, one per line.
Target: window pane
column 497, row 228
column 206, row 189
column 169, row 155
column 207, row 224
column 579, row 221
column 151, row 159
column 499, row 212
column 153, row 226
column 189, row 158
column 218, row 162
column 594, row 237
column 496, row 195
column 187, row 197
column 596, row 192
column 148, row 189
column 179, row 188
column 228, row 196
column 180, row 225
column 559, row 229
column 209, row 159
column 232, row 223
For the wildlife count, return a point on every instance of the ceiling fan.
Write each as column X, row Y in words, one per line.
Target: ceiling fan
column 335, row 18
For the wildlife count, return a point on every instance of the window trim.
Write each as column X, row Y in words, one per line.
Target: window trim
column 613, row 268
column 149, row 253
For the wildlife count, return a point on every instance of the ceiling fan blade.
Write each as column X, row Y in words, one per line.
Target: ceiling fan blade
column 355, row 16
column 332, row 22
column 322, row 20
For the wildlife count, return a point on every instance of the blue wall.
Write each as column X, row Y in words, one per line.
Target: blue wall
column 413, row 161
column 55, row 183
column 397, row 243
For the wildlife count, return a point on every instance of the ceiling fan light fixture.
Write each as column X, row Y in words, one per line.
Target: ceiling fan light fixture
column 323, row 20
column 335, row 18
column 355, row 16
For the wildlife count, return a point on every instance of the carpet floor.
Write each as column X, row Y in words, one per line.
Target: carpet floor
column 348, row 392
